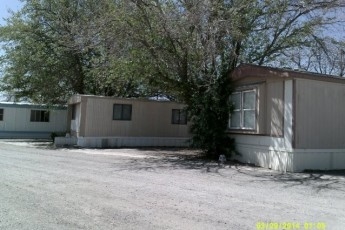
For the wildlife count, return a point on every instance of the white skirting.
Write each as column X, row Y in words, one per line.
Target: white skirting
column 269, row 152
column 114, row 142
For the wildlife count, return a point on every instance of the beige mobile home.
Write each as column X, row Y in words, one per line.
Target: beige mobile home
column 288, row 120
column 24, row 120
column 96, row 121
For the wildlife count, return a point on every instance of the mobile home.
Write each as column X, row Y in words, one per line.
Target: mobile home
column 96, row 121
column 25, row 120
column 288, row 120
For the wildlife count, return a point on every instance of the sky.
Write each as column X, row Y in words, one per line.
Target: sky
column 5, row 5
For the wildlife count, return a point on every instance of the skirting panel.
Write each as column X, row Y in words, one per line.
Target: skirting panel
column 65, row 141
column 292, row 160
column 24, row 135
column 115, row 142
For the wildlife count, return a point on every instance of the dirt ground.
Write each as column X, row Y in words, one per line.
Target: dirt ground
column 46, row 188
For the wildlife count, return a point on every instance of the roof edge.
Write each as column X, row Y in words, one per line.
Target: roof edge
column 246, row 70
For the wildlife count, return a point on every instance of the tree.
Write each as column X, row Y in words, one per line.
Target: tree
column 325, row 56
column 184, row 49
column 68, row 46
column 193, row 46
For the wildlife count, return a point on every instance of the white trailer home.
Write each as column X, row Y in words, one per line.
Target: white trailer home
column 24, row 120
column 96, row 121
column 288, row 120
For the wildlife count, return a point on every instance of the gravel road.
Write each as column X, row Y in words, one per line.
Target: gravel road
column 45, row 188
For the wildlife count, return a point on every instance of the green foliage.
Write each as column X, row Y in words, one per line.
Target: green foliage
column 185, row 50
column 193, row 46
column 57, row 48
column 210, row 109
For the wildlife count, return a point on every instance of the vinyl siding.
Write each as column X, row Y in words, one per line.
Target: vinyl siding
column 270, row 105
column 17, row 119
column 275, row 108
column 149, row 119
column 320, row 115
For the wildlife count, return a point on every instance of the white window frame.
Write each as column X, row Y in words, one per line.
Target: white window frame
column 242, row 110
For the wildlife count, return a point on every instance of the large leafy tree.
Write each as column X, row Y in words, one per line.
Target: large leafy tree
column 55, row 48
column 193, row 46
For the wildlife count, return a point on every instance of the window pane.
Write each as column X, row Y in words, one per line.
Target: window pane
column 235, row 121
column 249, row 119
column 236, row 100
column 117, row 112
column 183, row 117
column 42, row 116
column 46, row 116
column 32, row 115
column 249, row 100
column 39, row 116
column 1, row 114
column 126, row 112
column 122, row 112
column 175, row 116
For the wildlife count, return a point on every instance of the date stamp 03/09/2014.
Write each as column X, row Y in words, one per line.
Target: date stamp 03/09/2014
column 290, row 225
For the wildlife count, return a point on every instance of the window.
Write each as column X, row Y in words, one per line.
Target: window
column 122, row 112
column 1, row 114
column 39, row 116
column 244, row 104
column 74, row 111
column 179, row 116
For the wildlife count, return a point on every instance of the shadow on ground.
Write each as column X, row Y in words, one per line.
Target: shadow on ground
column 175, row 159
column 171, row 158
column 156, row 159
column 319, row 180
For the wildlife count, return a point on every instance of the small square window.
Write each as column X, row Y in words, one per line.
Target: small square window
column 39, row 116
column 122, row 112
column 179, row 117
column 1, row 114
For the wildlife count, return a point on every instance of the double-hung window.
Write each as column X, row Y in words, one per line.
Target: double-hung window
column 244, row 110
column 1, row 114
column 122, row 112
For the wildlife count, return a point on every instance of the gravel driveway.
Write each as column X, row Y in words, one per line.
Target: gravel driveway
column 45, row 188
